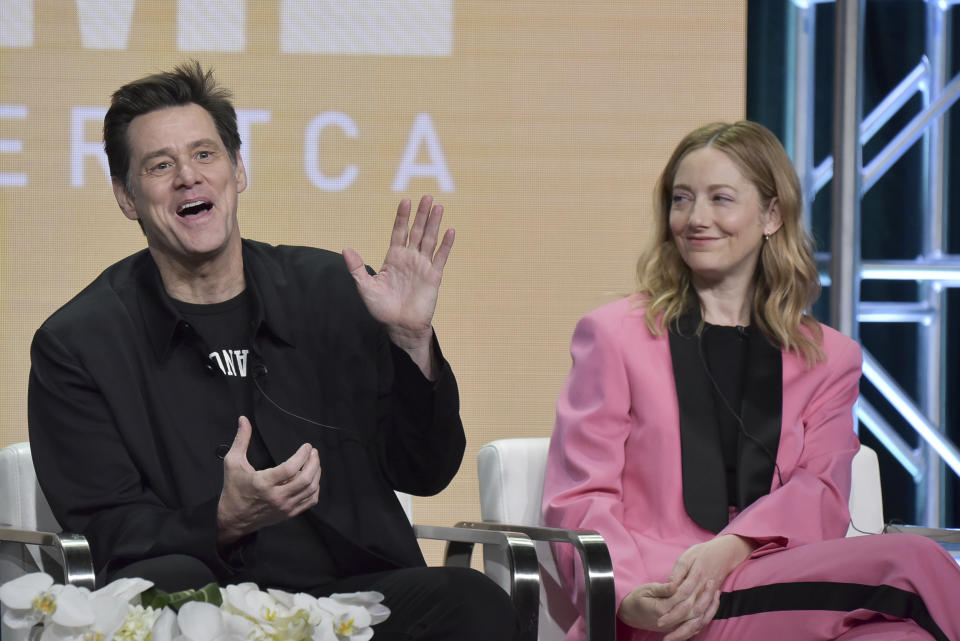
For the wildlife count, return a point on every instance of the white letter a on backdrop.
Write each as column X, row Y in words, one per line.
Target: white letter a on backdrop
column 423, row 134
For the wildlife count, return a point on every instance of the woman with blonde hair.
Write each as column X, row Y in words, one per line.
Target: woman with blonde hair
column 706, row 428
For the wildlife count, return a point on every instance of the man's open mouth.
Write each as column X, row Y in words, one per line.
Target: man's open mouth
column 193, row 207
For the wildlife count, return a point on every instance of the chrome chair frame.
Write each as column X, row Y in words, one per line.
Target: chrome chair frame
column 601, row 607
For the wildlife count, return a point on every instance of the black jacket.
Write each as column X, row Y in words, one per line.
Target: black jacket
column 127, row 419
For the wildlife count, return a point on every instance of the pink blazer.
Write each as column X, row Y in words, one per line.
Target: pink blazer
column 615, row 458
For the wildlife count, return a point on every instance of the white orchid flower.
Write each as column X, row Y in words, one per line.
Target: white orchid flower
column 206, row 622
column 165, row 628
column 101, row 618
column 28, row 599
column 33, row 598
column 273, row 611
column 114, row 613
column 124, row 589
column 137, row 625
column 349, row 622
column 341, row 617
column 370, row 601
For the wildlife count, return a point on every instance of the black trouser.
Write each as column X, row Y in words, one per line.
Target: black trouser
column 426, row 603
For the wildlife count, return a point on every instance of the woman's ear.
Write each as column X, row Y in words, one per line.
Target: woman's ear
column 772, row 220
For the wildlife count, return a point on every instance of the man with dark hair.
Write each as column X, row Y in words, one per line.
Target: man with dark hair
column 214, row 408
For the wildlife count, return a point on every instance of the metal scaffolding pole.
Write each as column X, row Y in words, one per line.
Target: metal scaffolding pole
column 931, row 352
column 801, row 143
column 933, row 270
column 845, row 202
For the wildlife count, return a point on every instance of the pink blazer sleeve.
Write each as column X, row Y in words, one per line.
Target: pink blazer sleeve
column 582, row 486
column 816, row 450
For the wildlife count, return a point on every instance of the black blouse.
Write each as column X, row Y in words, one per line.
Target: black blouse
column 728, row 453
column 724, row 353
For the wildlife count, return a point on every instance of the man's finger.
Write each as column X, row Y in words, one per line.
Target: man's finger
column 432, row 230
column 420, row 221
column 398, row 237
column 311, row 469
column 238, row 449
column 289, row 469
column 355, row 264
column 305, row 503
column 440, row 259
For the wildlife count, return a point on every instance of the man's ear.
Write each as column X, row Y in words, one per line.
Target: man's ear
column 772, row 219
column 124, row 199
column 240, row 174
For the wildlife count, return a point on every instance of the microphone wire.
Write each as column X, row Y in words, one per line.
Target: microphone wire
column 726, row 403
column 743, row 429
column 261, row 370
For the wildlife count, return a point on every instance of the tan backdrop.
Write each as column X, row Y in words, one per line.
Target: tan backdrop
column 540, row 124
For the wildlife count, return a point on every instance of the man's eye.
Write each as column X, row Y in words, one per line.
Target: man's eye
column 723, row 199
column 204, row 155
column 161, row 167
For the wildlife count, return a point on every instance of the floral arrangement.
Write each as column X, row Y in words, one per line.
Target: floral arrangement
column 132, row 610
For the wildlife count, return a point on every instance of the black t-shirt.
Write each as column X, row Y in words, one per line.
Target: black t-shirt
column 225, row 329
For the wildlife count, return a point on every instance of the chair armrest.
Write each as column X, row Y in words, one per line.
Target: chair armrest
column 948, row 538
column 522, row 555
column 601, row 603
column 73, row 549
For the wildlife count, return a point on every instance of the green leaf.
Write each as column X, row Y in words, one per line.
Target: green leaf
column 158, row 599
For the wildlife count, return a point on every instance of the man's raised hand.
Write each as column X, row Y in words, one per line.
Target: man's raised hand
column 403, row 294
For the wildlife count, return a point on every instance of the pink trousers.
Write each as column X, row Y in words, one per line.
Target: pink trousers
column 889, row 586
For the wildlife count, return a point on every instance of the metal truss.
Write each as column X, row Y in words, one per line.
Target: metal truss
column 933, row 270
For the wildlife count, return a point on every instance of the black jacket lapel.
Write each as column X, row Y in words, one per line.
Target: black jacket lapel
column 704, row 477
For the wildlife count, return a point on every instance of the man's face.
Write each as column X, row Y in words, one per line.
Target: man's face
column 182, row 186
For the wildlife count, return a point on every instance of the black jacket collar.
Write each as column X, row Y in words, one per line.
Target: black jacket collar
column 165, row 325
column 704, row 479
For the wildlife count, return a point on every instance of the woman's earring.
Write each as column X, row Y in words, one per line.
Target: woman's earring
column 766, row 237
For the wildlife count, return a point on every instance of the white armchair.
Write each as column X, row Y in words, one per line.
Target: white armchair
column 28, row 530
column 511, row 491
column 510, row 473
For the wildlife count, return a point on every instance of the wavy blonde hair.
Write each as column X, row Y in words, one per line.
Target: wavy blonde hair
column 786, row 282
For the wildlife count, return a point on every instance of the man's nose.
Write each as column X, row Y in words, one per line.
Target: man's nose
column 187, row 174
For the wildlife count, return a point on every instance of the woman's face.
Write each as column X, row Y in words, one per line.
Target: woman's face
column 717, row 219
